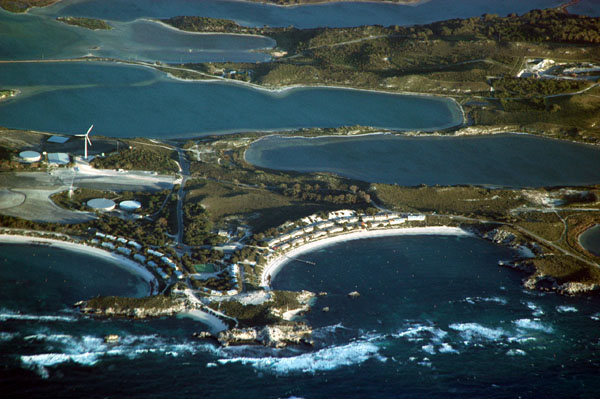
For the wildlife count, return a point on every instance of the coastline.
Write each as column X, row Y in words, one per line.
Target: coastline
column 412, row 3
column 274, row 266
column 120, row 260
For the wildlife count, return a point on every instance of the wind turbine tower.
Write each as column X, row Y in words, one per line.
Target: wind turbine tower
column 86, row 142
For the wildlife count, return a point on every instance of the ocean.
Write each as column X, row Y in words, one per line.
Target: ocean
column 436, row 317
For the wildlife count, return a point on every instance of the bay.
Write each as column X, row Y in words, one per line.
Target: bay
column 427, row 305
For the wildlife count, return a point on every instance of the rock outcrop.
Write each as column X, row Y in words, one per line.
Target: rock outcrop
column 277, row 336
column 138, row 308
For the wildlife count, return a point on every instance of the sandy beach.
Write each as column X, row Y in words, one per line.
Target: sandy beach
column 120, row 260
column 273, row 267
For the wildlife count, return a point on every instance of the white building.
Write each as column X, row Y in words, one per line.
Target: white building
column 125, row 251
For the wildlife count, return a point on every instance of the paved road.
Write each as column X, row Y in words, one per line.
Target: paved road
column 27, row 194
column 185, row 173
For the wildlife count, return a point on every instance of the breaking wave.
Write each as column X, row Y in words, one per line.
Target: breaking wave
column 10, row 315
column 322, row 360
column 477, row 332
column 477, row 299
column 566, row 309
column 88, row 350
column 534, row 324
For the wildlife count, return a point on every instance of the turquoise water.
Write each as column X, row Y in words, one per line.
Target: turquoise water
column 334, row 14
column 128, row 101
column 499, row 160
column 436, row 318
column 590, row 240
column 27, row 37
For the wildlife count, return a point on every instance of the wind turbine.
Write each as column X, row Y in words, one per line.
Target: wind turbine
column 87, row 141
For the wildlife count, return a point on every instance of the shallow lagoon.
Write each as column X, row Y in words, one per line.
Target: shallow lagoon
column 590, row 240
column 27, row 37
column 501, row 160
column 128, row 101
column 306, row 16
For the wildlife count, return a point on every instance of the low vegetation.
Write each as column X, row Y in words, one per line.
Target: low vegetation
column 24, row 5
column 470, row 201
column 139, row 158
column 88, row 23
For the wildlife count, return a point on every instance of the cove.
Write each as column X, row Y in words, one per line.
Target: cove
column 129, row 101
column 305, row 16
column 590, row 240
column 40, row 278
column 436, row 310
column 510, row 160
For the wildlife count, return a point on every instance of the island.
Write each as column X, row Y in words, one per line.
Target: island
column 88, row 23
column 211, row 229
column 513, row 73
column 24, row 5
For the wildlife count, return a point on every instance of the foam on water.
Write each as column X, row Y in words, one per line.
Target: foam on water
column 477, row 332
column 566, row 309
column 516, row 352
column 447, row 348
column 39, row 363
column 477, row 299
column 322, row 360
column 6, row 315
column 537, row 310
column 88, row 350
column 419, row 332
column 534, row 324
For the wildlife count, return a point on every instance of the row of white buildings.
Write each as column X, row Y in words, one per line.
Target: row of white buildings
column 316, row 227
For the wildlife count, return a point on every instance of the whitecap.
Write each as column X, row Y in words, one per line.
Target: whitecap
column 516, row 352
column 10, row 315
column 477, row 299
column 595, row 316
column 428, row 349
column 211, row 365
column 566, row 309
column 534, row 324
column 474, row 331
column 39, row 363
column 418, row 332
column 447, row 348
column 322, row 360
column 537, row 311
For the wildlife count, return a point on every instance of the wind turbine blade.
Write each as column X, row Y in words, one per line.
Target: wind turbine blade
column 89, row 130
column 88, row 140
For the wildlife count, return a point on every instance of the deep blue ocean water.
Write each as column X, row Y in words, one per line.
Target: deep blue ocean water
column 513, row 160
column 437, row 317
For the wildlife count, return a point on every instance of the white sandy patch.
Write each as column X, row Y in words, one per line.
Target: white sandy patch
column 214, row 323
column 273, row 267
